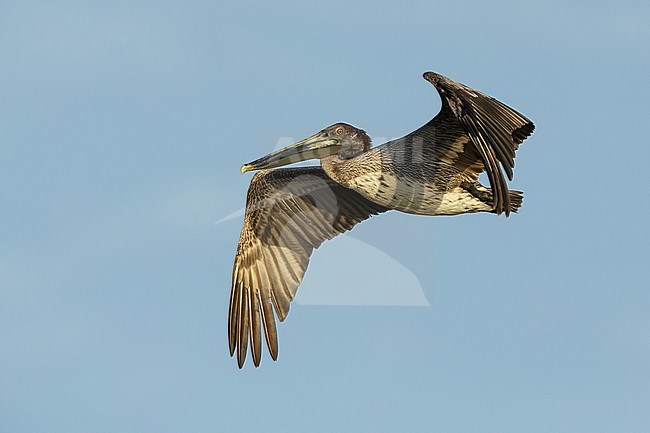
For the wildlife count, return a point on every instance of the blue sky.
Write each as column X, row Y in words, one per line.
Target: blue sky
column 122, row 131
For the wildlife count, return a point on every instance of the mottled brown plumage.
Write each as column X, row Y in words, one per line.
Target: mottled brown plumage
column 289, row 212
column 432, row 171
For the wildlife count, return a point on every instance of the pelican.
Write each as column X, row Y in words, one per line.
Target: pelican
column 434, row 170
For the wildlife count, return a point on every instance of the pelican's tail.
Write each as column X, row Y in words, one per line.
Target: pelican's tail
column 516, row 199
column 487, row 198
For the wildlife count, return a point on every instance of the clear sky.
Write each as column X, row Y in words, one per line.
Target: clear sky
column 123, row 127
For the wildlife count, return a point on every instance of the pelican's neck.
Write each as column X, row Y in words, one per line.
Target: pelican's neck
column 347, row 172
column 336, row 168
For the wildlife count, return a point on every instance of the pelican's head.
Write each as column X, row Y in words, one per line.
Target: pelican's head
column 340, row 139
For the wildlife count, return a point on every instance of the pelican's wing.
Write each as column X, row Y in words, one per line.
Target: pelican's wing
column 472, row 133
column 289, row 212
column 494, row 129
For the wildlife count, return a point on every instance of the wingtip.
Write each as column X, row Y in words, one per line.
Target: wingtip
column 257, row 358
column 505, row 213
column 232, row 346
column 523, row 132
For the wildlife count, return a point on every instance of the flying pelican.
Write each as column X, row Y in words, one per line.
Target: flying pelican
column 432, row 171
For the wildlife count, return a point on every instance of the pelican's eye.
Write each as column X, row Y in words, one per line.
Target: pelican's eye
column 339, row 130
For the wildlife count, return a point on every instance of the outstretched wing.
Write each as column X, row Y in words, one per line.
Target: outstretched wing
column 289, row 212
column 472, row 133
column 494, row 129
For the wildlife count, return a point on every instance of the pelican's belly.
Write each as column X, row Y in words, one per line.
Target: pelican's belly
column 409, row 195
column 405, row 194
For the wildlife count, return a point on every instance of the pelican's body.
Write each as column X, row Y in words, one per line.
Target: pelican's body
column 432, row 171
column 389, row 176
